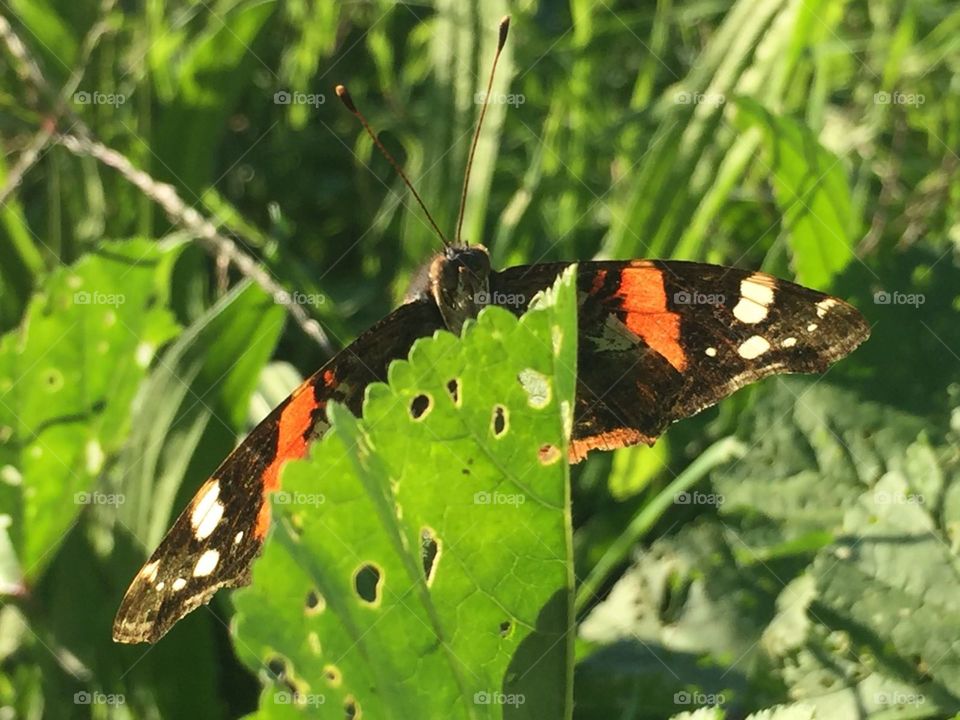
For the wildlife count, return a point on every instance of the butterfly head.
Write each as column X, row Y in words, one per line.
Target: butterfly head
column 460, row 283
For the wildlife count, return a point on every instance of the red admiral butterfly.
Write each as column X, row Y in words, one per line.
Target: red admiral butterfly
column 650, row 352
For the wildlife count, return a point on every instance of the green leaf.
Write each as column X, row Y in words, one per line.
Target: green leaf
column 68, row 376
column 421, row 559
column 679, row 628
column 888, row 595
column 811, row 457
column 811, row 190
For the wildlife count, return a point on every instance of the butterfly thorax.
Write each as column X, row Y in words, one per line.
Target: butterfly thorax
column 458, row 281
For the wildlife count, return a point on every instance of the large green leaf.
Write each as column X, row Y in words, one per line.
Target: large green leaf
column 421, row 561
column 68, row 376
column 812, row 193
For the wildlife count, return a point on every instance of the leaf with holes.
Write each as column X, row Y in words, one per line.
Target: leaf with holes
column 420, row 564
column 68, row 376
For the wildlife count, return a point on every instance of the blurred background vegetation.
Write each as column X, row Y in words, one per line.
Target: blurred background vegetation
column 815, row 139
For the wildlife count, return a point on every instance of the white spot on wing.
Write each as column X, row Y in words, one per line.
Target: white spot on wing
column 811, row 327
column 238, row 537
column 207, row 511
column 789, row 342
column 824, row 305
column 711, row 352
column 753, row 347
column 756, row 294
column 179, row 584
column 206, row 564
column 149, row 571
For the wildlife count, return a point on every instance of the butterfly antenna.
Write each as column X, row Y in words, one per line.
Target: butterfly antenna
column 345, row 98
column 504, row 27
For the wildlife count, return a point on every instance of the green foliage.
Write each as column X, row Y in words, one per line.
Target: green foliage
column 68, row 375
column 813, row 139
column 827, row 574
column 454, row 489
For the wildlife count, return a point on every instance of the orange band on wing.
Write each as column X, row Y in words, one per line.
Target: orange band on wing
column 295, row 420
column 644, row 299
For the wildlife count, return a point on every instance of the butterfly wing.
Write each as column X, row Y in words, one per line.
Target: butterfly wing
column 662, row 340
column 214, row 541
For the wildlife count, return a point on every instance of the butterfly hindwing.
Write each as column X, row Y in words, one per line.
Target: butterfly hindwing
column 215, row 539
column 662, row 340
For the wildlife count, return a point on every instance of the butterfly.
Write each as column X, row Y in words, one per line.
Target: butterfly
column 657, row 342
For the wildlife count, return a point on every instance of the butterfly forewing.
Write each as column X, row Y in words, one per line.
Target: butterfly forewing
column 213, row 542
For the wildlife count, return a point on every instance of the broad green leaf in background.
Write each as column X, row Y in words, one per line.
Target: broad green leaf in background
column 679, row 628
column 421, row 559
column 888, row 603
column 826, row 571
column 812, row 193
column 810, row 459
column 68, row 376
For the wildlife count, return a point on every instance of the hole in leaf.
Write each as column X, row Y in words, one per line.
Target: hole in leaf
column 277, row 666
column 366, row 581
column 350, row 708
column 429, row 550
column 453, row 387
column 315, row 604
column 53, row 379
column 499, row 422
column 332, row 674
column 420, row 406
column 548, row 454
column 505, row 627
